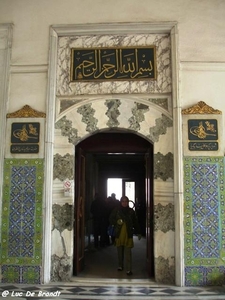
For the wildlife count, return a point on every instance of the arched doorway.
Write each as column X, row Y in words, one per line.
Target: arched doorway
column 118, row 154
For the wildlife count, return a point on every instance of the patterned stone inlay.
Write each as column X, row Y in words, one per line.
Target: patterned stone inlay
column 160, row 127
column 138, row 116
column 164, row 219
column 162, row 102
column 63, row 167
column 163, row 166
column 22, row 212
column 65, row 104
column 67, row 130
column 204, row 219
column 88, row 118
column 113, row 112
column 62, row 217
column 165, row 273
column 61, row 268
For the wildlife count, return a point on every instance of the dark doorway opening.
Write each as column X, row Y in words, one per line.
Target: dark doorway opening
column 114, row 154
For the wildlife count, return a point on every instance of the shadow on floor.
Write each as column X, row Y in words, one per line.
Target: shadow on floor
column 102, row 263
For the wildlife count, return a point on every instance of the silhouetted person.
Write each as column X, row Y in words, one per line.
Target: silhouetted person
column 99, row 212
column 113, row 195
column 112, row 203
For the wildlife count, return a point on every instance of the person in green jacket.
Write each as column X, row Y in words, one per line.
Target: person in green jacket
column 125, row 221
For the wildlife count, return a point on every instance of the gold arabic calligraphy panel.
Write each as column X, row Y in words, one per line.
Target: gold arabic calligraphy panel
column 25, row 137
column 203, row 135
column 137, row 63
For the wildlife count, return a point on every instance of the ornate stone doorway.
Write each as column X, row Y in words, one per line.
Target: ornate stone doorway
column 77, row 116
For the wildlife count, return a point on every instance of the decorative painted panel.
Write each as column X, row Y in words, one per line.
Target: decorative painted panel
column 204, row 220
column 22, row 220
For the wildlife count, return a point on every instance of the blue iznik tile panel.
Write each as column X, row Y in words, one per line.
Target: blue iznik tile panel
column 22, row 211
column 22, row 220
column 204, row 221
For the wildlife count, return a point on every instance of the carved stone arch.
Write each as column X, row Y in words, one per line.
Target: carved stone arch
column 84, row 119
column 141, row 116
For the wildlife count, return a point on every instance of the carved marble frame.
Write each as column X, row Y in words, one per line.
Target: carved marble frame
column 6, row 34
column 113, row 28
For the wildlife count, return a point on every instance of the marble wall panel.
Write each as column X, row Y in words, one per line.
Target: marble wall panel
column 62, row 226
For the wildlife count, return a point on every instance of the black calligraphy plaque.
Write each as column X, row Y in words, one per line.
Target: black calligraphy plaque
column 137, row 63
column 25, row 137
column 203, row 135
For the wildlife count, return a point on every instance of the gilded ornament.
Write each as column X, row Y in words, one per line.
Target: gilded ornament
column 26, row 112
column 200, row 108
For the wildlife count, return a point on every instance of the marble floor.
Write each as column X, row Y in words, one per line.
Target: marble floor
column 109, row 290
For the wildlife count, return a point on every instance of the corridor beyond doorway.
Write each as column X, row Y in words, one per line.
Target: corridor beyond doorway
column 102, row 263
column 118, row 155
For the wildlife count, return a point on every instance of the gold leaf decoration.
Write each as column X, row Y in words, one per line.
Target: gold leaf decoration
column 200, row 108
column 26, row 112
